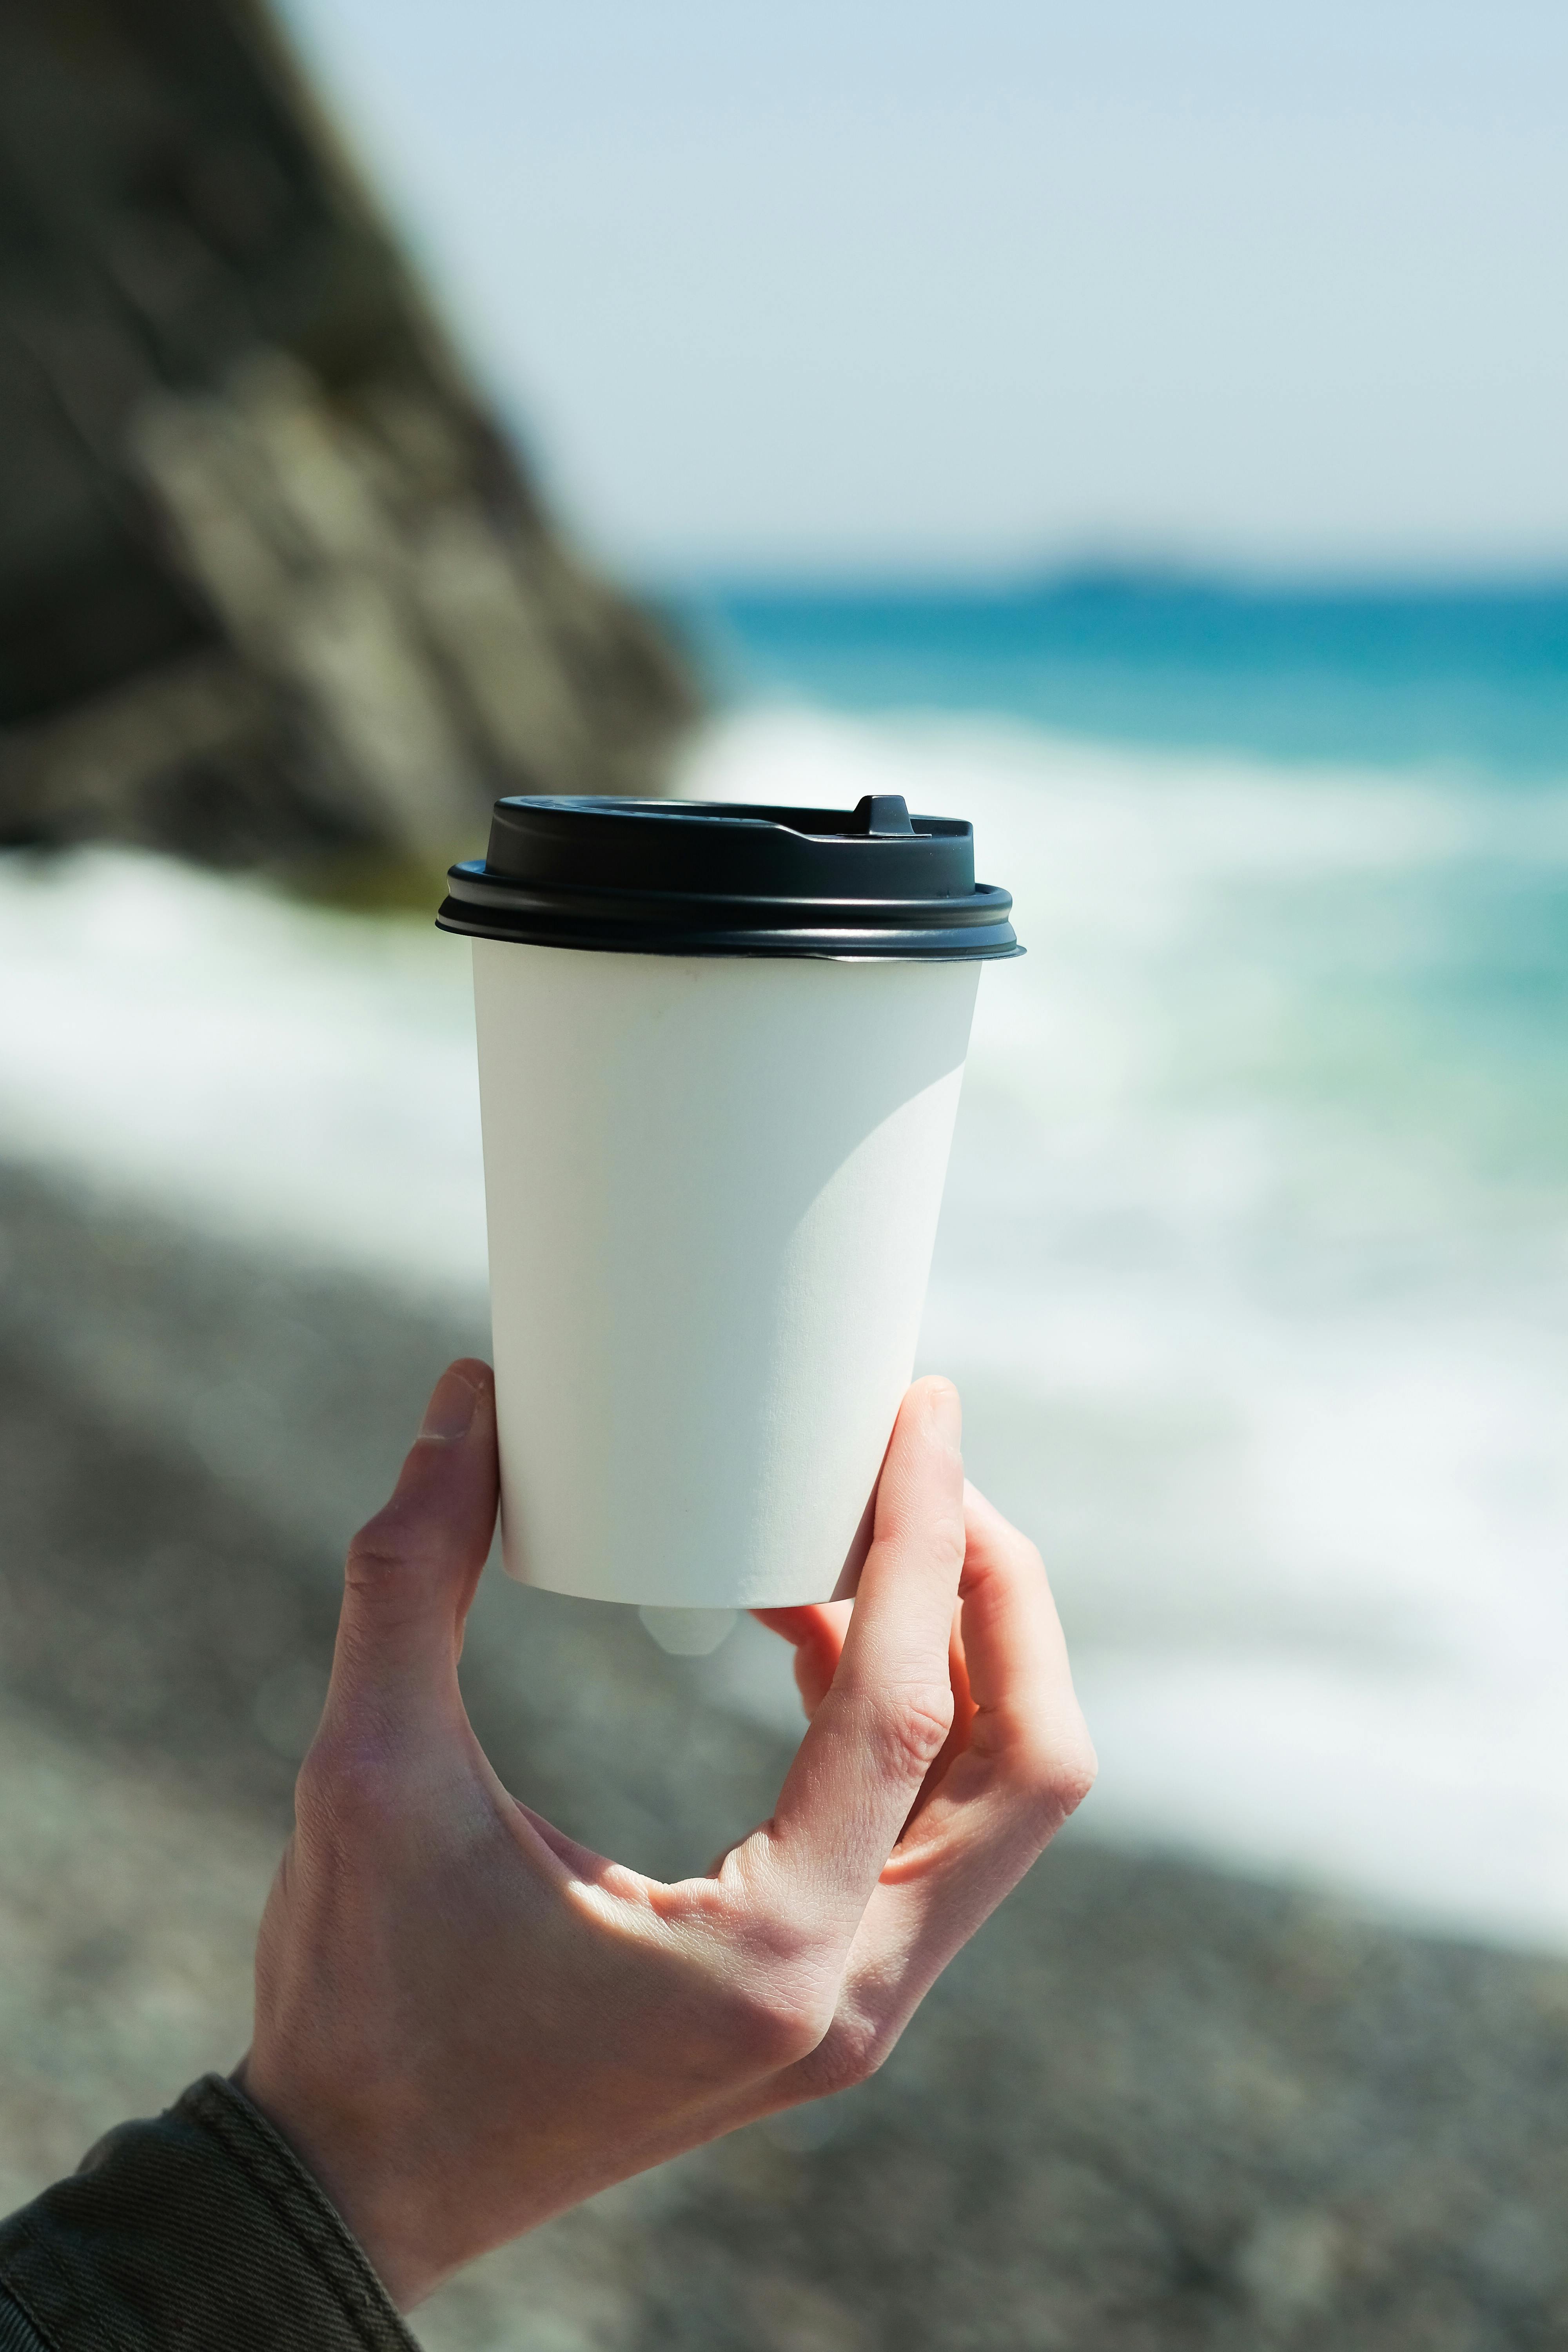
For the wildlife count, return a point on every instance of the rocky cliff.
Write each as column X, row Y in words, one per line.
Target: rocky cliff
column 272, row 579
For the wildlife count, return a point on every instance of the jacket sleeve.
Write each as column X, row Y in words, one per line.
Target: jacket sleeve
column 199, row 2228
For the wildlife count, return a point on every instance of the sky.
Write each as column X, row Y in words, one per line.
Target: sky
column 965, row 286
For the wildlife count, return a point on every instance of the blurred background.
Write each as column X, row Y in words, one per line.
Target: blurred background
column 1141, row 433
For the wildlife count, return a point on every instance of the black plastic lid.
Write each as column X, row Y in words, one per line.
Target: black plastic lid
column 728, row 879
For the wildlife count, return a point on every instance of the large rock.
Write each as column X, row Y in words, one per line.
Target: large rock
column 1150, row 2109
column 272, row 579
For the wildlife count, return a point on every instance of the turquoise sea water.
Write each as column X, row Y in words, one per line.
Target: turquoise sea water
column 1459, row 693
column 1475, row 673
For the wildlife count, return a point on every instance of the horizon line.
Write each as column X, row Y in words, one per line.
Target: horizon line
column 1152, row 574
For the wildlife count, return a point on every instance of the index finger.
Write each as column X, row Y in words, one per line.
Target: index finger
column 882, row 1721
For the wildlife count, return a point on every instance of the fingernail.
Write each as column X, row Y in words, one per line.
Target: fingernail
column 450, row 1411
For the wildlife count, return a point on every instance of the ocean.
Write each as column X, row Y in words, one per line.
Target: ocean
column 1253, row 1261
column 1394, row 677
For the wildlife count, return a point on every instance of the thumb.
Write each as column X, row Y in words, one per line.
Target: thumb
column 412, row 1570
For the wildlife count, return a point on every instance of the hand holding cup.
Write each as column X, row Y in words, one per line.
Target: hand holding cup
column 466, row 2022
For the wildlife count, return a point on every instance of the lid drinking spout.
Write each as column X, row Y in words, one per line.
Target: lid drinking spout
column 880, row 814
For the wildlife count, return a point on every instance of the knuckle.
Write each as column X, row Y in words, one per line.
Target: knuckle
column 774, row 2026
column 379, row 1556
column 912, row 1727
column 849, row 2055
column 781, row 1988
column 393, row 1568
column 1057, row 1775
column 1079, row 1773
column 946, row 1539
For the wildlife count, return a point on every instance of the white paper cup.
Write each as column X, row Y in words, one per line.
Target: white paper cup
column 713, row 1190
column 713, row 1178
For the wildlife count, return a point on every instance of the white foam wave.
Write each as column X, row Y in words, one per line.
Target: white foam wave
column 264, row 1070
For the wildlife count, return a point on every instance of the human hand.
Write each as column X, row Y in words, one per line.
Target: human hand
column 466, row 2022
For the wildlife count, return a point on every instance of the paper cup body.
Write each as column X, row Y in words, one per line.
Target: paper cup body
column 712, row 1186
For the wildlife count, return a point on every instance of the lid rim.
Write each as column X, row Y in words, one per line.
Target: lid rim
column 473, row 883
column 779, row 947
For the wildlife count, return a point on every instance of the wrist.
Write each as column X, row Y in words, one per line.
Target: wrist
column 336, row 2152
